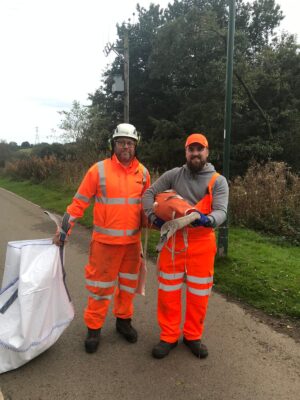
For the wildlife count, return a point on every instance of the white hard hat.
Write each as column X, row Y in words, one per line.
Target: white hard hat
column 126, row 130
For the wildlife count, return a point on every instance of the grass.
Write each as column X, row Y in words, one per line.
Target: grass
column 260, row 270
column 261, row 273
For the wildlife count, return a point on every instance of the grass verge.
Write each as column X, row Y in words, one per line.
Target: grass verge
column 261, row 273
column 258, row 271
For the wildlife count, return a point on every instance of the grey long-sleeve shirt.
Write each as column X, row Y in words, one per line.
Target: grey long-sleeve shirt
column 192, row 188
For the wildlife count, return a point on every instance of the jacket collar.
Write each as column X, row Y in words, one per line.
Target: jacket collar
column 131, row 167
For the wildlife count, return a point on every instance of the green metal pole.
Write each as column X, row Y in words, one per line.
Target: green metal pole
column 223, row 230
column 126, row 75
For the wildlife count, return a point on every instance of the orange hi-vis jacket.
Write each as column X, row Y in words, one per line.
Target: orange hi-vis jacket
column 116, row 191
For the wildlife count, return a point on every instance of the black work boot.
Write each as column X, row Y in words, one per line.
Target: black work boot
column 124, row 327
column 197, row 348
column 92, row 340
column 162, row 349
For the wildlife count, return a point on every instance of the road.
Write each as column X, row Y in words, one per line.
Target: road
column 247, row 359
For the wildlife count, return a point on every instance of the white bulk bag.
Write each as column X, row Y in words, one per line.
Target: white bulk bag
column 35, row 307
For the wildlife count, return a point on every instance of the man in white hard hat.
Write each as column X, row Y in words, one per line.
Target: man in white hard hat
column 117, row 185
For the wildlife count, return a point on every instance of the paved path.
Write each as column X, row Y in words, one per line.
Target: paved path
column 247, row 360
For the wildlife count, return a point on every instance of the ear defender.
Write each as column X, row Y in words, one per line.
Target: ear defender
column 110, row 144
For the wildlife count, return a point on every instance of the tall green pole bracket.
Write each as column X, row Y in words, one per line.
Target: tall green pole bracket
column 223, row 230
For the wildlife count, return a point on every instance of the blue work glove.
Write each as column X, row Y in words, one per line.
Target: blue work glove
column 158, row 222
column 203, row 220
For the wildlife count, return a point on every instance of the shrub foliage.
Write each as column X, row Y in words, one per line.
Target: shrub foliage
column 34, row 168
column 267, row 198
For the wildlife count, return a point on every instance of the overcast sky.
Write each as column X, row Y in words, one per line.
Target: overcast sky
column 52, row 53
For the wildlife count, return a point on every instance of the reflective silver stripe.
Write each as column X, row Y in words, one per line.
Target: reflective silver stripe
column 115, row 232
column 196, row 279
column 127, row 288
column 94, row 296
column 82, row 197
column 170, row 288
column 71, row 219
column 110, row 232
column 134, row 201
column 131, row 232
column 112, row 200
column 117, row 200
column 102, row 178
column 171, row 277
column 144, row 175
column 199, row 292
column 100, row 283
column 132, row 277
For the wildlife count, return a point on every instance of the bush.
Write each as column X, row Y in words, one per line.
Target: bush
column 72, row 174
column 267, row 199
column 50, row 169
column 34, row 168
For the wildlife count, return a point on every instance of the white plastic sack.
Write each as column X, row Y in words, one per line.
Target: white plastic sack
column 35, row 307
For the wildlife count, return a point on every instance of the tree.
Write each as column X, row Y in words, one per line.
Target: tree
column 5, row 153
column 74, row 122
column 13, row 146
column 25, row 145
column 177, row 81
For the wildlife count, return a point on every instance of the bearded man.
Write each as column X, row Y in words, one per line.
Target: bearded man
column 189, row 255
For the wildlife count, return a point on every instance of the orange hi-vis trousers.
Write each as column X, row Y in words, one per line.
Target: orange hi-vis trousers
column 195, row 266
column 107, row 265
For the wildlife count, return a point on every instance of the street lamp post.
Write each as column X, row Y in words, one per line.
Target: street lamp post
column 223, row 230
column 125, row 51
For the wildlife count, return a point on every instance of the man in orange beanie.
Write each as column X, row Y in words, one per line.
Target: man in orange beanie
column 191, row 260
